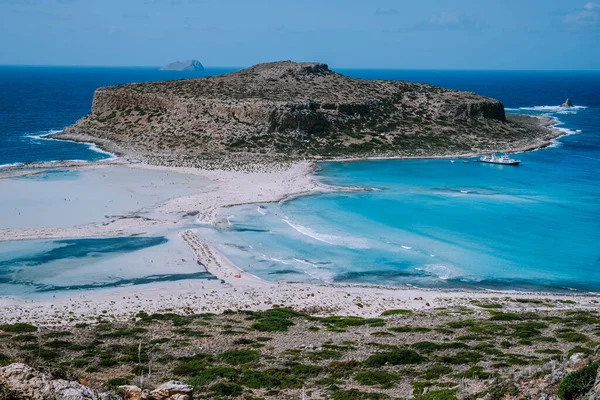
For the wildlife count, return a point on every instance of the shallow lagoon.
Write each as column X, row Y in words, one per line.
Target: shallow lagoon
column 439, row 224
column 36, row 267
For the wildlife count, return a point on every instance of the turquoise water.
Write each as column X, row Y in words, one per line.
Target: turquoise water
column 428, row 223
column 434, row 223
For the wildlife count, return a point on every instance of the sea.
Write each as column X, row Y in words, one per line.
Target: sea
column 444, row 223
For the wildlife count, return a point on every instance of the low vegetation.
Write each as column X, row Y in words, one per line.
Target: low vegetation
column 275, row 354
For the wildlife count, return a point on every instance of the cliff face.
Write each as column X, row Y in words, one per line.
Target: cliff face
column 292, row 109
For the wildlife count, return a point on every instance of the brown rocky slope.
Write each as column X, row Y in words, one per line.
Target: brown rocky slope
column 298, row 110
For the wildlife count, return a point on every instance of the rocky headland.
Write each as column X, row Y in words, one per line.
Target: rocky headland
column 289, row 111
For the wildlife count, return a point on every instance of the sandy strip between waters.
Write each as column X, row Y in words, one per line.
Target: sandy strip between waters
column 236, row 289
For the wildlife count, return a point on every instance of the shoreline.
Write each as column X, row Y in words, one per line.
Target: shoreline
column 228, row 189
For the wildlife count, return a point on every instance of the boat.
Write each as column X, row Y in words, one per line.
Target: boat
column 497, row 159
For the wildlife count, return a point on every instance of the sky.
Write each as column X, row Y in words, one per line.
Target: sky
column 386, row 34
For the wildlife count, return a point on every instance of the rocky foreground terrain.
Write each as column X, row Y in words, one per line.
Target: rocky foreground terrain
column 503, row 348
column 286, row 110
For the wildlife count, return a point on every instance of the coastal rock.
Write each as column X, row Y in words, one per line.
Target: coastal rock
column 26, row 382
column 568, row 103
column 189, row 65
column 131, row 392
column 172, row 390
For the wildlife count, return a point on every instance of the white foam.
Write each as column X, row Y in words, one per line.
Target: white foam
column 406, row 247
column 442, row 271
column 345, row 241
column 229, row 219
column 10, row 165
column 92, row 146
column 261, row 210
column 552, row 108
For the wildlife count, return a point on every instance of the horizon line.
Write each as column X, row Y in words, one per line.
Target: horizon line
column 334, row 68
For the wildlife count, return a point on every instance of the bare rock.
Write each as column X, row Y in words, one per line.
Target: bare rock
column 568, row 103
column 131, row 392
column 172, row 390
column 576, row 361
column 26, row 382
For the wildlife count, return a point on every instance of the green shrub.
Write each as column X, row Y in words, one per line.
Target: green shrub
column 394, row 357
column 18, row 327
column 193, row 365
column 579, row 349
column 79, row 363
column 355, row 394
column 228, row 389
column 237, row 357
column 306, row 371
column 578, row 383
column 529, row 329
column 463, row 357
column 396, row 312
column 573, row 337
column 211, row 374
column 371, row 378
column 116, row 382
column 25, row 338
column 436, row 371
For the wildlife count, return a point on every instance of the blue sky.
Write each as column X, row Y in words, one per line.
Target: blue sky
column 424, row 34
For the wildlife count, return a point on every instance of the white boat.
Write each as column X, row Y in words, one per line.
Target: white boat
column 496, row 159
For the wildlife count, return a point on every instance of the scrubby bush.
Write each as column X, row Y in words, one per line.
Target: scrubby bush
column 578, row 383
column 18, row 327
column 228, row 389
column 394, row 357
column 237, row 357
column 396, row 312
column 371, row 378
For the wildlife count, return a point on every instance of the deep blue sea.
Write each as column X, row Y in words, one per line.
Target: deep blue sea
column 428, row 223
column 35, row 101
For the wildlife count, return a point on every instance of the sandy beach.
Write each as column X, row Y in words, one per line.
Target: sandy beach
column 174, row 197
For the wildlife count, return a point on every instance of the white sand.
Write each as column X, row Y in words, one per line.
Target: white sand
column 239, row 290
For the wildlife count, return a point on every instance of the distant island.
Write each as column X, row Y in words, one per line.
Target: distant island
column 189, row 65
column 289, row 110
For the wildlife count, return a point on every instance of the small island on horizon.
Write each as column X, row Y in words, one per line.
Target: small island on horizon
column 189, row 65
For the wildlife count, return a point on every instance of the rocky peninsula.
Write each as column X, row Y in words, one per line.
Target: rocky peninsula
column 290, row 111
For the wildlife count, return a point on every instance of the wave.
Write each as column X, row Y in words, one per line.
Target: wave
column 261, row 210
column 10, row 165
column 345, row 241
column 92, row 146
column 553, row 109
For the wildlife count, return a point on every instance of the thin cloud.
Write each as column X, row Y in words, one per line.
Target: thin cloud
column 588, row 16
column 455, row 20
